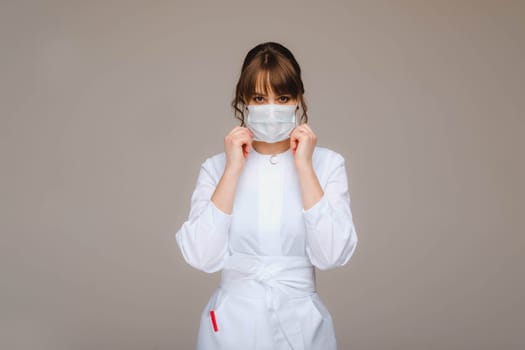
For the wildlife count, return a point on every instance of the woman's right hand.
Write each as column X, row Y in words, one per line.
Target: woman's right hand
column 237, row 145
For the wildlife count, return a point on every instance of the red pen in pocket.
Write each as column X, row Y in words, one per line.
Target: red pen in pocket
column 214, row 321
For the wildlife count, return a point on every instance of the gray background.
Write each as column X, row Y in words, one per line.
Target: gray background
column 108, row 109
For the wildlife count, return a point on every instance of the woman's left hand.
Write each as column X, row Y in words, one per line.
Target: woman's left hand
column 302, row 143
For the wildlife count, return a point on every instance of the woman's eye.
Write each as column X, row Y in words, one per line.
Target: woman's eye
column 284, row 99
column 258, row 99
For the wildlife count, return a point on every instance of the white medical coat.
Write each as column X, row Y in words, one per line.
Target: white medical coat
column 268, row 220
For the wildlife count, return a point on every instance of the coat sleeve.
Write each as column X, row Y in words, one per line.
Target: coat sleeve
column 203, row 237
column 330, row 231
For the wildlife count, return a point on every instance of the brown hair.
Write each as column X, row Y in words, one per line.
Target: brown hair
column 282, row 72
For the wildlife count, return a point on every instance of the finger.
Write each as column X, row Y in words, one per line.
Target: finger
column 234, row 130
column 247, row 146
column 307, row 127
column 249, row 132
column 244, row 144
column 240, row 136
column 248, row 143
column 245, row 139
column 243, row 131
column 307, row 133
column 232, row 134
column 237, row 130
column 293, row 145
column 245, row 150
column 295, row 132
column 301, row 133
column 311, row 133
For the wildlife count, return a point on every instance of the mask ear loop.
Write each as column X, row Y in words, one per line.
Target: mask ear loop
column 244, row 114
column 297, row 118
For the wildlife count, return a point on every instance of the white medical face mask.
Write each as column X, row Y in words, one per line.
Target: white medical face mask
column 271, row 122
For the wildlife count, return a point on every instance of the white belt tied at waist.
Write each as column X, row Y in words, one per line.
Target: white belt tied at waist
column 277, row 279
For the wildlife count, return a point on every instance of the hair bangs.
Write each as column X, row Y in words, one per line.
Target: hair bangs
column 277, row 77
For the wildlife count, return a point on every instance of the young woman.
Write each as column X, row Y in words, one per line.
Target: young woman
column 266, row 211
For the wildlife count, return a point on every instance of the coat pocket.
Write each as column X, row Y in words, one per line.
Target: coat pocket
column 318, row 330
column 231, row 325
column 319, row 307
column 214, row 309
